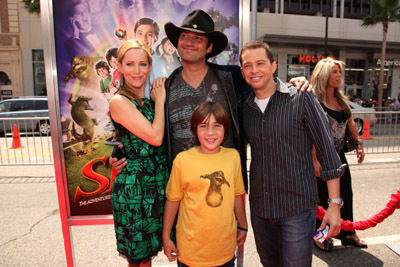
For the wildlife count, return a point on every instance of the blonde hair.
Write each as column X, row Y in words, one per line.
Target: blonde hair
column 320, row 78
column 122, row 50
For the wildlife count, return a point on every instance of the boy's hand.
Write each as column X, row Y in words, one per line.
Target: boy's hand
column 118, row 164
column 240, row 237
column 170, row 250
column 302, row 84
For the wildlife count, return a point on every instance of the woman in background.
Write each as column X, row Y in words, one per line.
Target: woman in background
column 138, row 192
column 326, row 79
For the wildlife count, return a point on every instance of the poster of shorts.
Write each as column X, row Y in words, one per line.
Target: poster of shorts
column 87, row 34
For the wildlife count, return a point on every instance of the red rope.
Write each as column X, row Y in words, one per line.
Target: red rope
column 391, row 206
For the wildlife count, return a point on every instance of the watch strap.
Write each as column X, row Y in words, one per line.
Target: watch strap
column 339, row 201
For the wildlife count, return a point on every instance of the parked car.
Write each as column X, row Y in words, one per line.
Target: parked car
column 32, row 107
column 360, row 113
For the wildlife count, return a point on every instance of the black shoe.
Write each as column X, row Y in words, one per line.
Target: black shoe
column 352, row 241
column 326, row 246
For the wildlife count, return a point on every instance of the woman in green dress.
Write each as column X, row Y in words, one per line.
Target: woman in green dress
column 138, row 191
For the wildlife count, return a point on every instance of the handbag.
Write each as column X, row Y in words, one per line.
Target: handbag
column 349, row 143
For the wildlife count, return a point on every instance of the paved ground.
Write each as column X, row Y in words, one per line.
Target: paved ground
column 31, row 232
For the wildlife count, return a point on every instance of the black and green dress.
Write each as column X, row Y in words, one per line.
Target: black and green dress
column 138, row 194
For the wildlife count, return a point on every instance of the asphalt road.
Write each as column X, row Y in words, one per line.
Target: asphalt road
column 31, row 232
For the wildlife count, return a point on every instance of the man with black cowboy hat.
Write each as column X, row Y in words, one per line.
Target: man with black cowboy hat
column 198, row 81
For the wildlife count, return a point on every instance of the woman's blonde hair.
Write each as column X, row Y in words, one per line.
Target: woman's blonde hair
column 320, row 78
column 122, row 50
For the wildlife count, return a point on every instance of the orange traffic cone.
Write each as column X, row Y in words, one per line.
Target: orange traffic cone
column 366, row 134
column 16, row 140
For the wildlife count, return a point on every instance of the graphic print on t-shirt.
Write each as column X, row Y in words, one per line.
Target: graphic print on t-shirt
column 214, row 195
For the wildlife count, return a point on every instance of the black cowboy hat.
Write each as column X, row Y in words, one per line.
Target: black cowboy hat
column 200, row 22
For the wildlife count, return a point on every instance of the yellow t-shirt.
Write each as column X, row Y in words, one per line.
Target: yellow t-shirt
column 206, row 186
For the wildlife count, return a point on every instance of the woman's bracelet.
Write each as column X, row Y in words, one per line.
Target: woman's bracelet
column 242, row 229
column 359, row 143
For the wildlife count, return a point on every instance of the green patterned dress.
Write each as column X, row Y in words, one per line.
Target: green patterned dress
column 138, row 194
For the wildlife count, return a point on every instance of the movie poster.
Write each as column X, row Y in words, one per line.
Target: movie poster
column 87, row 34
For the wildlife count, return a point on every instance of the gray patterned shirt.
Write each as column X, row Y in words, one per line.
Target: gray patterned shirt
column 183, row 100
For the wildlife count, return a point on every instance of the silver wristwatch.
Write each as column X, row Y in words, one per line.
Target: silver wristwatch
column 338, row 201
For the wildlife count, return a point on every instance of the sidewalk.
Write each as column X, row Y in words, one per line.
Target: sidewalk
column 374, row 158
column 47, row 171
column 31, row 232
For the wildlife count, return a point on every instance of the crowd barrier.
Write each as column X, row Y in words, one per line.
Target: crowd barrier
column 391, row 206
column 380, row 131
column 27, row 141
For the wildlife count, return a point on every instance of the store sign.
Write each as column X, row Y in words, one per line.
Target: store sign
column 311, row 59
column 389, row 62
column 6, row 92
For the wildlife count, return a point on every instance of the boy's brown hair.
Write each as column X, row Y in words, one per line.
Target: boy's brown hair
column 203, row 113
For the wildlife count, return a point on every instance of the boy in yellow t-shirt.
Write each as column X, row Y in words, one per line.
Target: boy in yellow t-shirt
column 206, row 185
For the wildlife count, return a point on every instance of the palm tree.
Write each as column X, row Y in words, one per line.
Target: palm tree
column 32, row 6
column 385, row 11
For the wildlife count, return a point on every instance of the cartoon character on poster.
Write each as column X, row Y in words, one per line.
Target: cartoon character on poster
column 87, row 36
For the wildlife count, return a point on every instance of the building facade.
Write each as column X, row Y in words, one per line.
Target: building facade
column 21, row 52
column 296, row 31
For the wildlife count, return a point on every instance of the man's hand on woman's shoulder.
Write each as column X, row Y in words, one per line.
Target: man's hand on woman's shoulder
column 302, row 84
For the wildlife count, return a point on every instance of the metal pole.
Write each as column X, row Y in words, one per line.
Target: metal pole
column 326, row 27
column 253, row 19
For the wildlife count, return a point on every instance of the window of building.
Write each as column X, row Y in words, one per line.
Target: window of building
column 398, row 95
column 366, row 8
column 276, row 59
column 352, row 8
column 357, row 9
column 266, row 4
column 316, row 5
column 295, row 68
column 305, row 7
column 39, row 78
column 387, row 82
column 4, row 80
column 354, row 71
column 356, row 78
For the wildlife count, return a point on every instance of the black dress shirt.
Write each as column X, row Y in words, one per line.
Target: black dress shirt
column 282, row 179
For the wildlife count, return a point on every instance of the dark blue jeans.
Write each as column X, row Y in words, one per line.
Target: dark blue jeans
column 285, row 241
